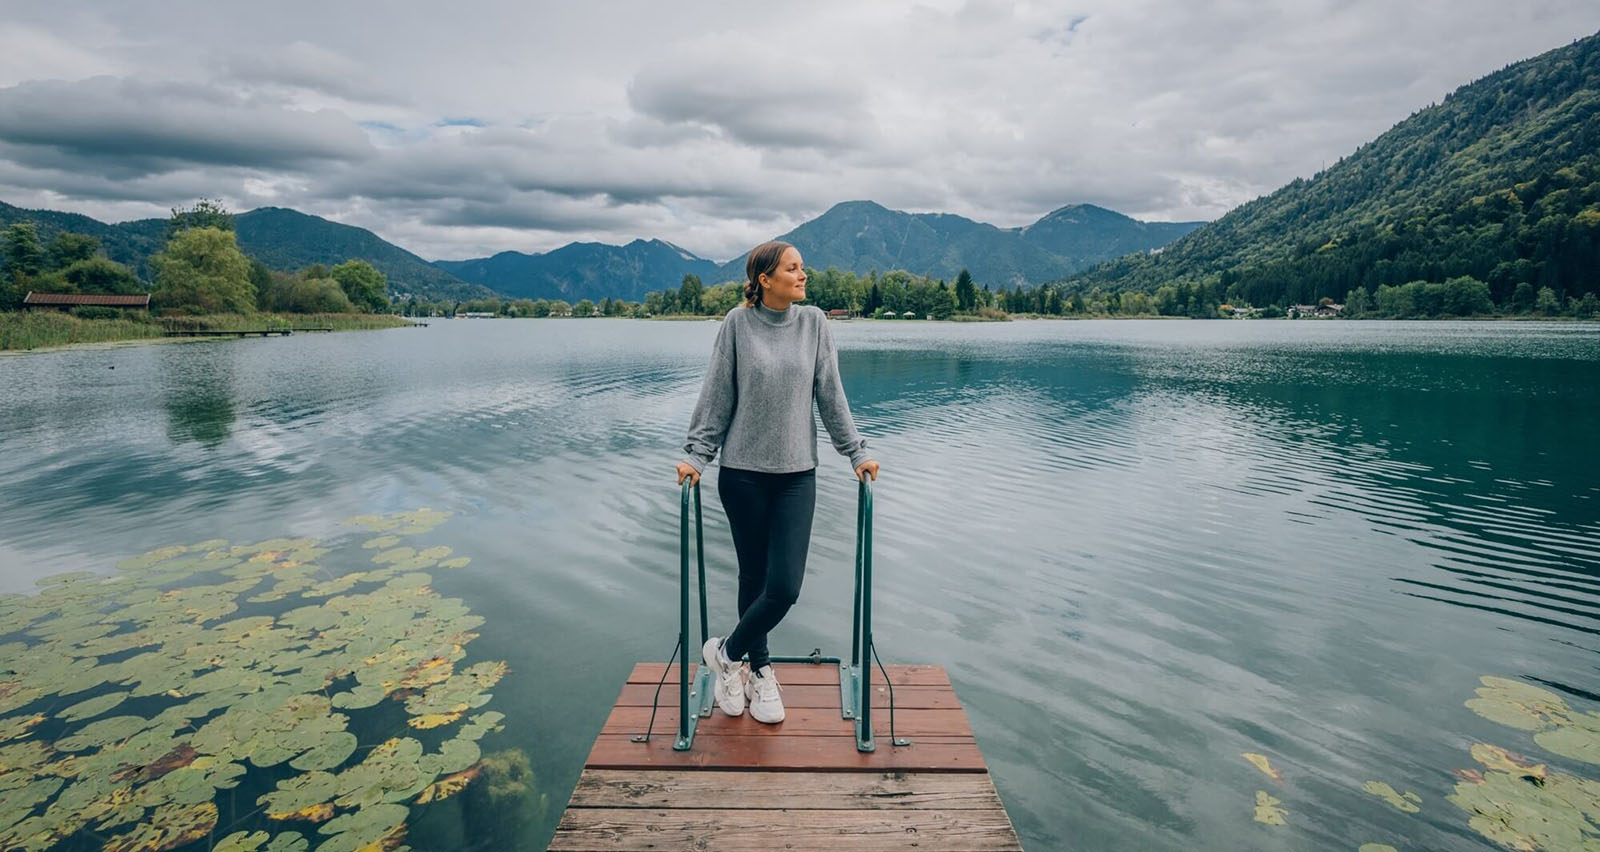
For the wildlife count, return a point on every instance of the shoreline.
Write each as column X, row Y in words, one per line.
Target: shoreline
column 20, row 332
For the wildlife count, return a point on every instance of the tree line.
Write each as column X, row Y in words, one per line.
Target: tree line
column 201, row 270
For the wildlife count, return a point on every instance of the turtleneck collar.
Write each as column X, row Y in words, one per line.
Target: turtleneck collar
column 772, row 317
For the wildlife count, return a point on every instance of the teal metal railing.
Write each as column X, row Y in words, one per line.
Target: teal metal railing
column 855, row 693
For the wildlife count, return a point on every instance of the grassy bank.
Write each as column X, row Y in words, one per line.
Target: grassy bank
column 40, row 329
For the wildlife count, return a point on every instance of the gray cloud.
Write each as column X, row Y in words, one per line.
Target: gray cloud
column 714, row 125
column 127, row 127
column 303, row 65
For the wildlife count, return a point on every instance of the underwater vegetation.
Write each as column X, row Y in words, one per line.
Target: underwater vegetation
column 248, row 697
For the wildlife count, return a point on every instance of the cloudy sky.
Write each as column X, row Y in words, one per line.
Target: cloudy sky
column 464, row 128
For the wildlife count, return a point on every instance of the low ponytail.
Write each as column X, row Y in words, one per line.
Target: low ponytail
column 763, row 261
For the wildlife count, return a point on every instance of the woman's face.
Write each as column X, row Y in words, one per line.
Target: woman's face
column 787, row 283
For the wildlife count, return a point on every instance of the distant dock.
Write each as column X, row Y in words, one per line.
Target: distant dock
column 799, row 785
column 245, row 332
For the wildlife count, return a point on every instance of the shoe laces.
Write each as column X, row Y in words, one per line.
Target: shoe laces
column 766, row 687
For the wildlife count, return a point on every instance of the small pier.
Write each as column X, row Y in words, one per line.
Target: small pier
column 682, row 775
column 799, row 785
column 241, row 332
column 249, row 332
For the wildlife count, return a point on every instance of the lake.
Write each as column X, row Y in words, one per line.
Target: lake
column 1142, row 549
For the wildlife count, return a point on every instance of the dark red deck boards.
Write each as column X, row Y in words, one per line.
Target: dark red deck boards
column 815, row 735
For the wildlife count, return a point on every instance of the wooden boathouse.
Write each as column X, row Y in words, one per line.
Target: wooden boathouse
column 680, row 775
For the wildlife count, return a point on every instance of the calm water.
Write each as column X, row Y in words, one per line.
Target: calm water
column 1140, row 548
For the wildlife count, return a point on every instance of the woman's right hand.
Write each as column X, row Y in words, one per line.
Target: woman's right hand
column 687, row 471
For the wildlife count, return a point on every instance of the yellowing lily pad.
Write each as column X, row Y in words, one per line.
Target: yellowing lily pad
column 1260, row 762
column 1268, row 810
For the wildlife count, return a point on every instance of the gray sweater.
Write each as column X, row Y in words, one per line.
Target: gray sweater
column 766, row 369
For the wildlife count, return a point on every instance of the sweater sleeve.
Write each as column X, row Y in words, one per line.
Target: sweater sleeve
column 832, row 405
column 713, row 413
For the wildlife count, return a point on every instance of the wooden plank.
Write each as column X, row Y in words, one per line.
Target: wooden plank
column 806, row 673
column 905, row 697
column 825, row 754
column 614, row 830
column 798, row 721
column 622, row 788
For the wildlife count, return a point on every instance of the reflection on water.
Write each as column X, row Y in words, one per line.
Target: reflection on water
column 1142, row 549
column 198, row 395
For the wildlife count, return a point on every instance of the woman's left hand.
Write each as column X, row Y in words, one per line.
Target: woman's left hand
column 867, row 467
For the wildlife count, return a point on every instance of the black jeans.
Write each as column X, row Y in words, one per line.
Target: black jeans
column 770, row 515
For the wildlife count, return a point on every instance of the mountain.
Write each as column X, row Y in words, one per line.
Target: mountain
column 1500, row 181
column 585, row 271
column 129, row 243
column 290, row 240
column 861, row 236
column 283, row 239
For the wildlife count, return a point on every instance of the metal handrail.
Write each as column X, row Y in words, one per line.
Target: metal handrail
column 855, row 694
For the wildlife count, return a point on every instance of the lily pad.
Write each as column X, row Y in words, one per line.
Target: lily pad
column 1574, row 741
column 1406, row 802
column 299, row 792
column 1518, row 705
column 1560, row 814
column 242, row 841
column 332, row 752
column 1268, row 810
column 359, row 696
column 168, row 828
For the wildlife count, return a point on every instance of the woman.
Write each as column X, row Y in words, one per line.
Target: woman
column 772, row 358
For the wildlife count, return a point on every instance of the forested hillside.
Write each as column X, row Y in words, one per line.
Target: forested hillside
column 1500, row 182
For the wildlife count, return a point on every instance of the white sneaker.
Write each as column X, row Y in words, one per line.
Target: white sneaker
column 766, row 705
column 729, row 687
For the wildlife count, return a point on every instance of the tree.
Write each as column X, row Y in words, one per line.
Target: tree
column 318, row 296
column 367, row 288
column 69, row 248
column 559, row 308
column 1357, row 302
column 102, row 275
column 204, row 214
column 202, row 270
column 20, row 247
column 1547, row 303
column 1587, row 307
column 689, row 294
column 1466, row 296
column 584, row 308
column 1523, row 297
column 966, row 294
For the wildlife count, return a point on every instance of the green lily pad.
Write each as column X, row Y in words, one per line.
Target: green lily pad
column 288, row 841
column 481, row 724
column 242, row 841
column 382, row 542
column 1406, row 802
column 363, row 828
column 456, row 755
column 92, row 707
column 1517, row 704
column 1574, row 741
column 103, row 733
column 300, row 792
column 330, row 753
column 1562, row 813
column 360, row 696
column 458, row 562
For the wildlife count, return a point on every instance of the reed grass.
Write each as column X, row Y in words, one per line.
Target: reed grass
column 23, row 330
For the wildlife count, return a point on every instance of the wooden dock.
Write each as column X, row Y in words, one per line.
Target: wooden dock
column 249, row 332
column 795, row 786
